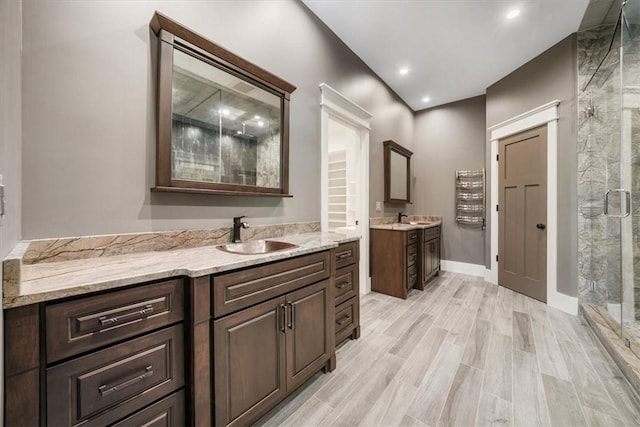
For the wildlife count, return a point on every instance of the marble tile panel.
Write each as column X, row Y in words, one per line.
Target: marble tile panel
column 65, row 249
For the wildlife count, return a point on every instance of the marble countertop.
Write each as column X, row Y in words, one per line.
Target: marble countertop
column 53, row 280
column 413, row 225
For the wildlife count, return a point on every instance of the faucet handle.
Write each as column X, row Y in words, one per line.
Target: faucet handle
column 236, row 219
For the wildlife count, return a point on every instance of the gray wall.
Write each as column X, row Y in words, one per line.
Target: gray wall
column 10, row 120
column 89, row 111
column 10, row 137
column 551, row 75
column 448, row 138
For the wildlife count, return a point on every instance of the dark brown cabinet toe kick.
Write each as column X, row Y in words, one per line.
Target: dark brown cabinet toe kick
column 213, row 350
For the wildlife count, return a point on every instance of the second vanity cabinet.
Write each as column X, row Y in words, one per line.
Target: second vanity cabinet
column 402, row 259
column 394, row 261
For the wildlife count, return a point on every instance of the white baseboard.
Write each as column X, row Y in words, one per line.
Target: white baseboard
column 563, row 302
column 462, row 268
column 555, row 299
column 490, row 277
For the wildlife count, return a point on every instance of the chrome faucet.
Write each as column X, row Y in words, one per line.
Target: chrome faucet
column 237, row 225
column 400, row 215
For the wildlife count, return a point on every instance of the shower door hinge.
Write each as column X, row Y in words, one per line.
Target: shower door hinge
column 497, row 157
column 496, row 258
column 497, row 210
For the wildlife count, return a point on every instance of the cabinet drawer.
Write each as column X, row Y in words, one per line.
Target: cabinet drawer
column 241, row 289
column 412, row 255
column 412, row 237
column 169, row 412
column 347, row 318
column 107, row 385
column 431, row 233
column 346, row 283
column 347, row 254
column 83, row 324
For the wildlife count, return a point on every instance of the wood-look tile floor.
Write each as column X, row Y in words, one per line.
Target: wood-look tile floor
column 465, row 353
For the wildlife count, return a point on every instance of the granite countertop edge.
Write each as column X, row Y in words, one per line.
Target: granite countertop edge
column 51, row 281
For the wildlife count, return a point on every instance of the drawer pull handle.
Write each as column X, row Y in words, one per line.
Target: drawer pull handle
column 104, row 391
column 344, row 255
column 105, row 321
column 342, row 284
column 283, row 317
column 292, row 318
column 343, row 320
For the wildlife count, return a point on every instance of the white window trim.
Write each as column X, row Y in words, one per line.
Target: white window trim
column 546, row 114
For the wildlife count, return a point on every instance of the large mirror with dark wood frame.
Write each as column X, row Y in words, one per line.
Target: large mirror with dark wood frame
column 397, row 173
column 223, row 122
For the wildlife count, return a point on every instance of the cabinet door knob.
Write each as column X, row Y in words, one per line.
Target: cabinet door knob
column 541, row 226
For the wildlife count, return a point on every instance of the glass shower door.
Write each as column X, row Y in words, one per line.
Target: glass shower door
column 630, row 171
column 599, row 172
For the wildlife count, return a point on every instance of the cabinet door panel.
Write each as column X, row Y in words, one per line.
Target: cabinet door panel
column 308, row 335
column 436, row 254
column 427, row 265
column 249, row 363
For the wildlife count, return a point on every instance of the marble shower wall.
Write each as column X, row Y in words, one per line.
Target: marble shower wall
column 599, row 112
column 268, row 161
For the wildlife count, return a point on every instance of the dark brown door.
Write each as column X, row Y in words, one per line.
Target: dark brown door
column 309, row 313
column 249, row 358
column 522, row 214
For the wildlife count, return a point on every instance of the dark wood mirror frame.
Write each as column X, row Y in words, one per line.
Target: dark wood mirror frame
column 172, row 34
column 389, row 147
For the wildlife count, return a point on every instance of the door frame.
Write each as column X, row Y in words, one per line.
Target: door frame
column 334, row 104
column 546, row 114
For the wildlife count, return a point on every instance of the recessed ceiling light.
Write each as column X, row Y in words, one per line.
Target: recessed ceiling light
column 404, row 71
column 256, row 117
column 260, row 123
column 513, row 13
column 239, row 132
column 225, row 112
column 426, row 99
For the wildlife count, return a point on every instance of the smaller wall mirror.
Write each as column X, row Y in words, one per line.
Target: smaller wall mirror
column 397, row 173
column 223, row 123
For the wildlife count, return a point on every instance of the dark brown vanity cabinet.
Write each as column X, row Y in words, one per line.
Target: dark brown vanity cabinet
column 99, row 360
column 212, row 350
column 394, row 261
column 401, row 260
column 267, row 350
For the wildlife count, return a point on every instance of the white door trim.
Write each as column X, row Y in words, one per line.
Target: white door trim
column 333, row 103
column 546, row 114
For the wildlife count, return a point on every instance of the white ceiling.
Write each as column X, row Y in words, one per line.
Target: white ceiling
column 454, row 49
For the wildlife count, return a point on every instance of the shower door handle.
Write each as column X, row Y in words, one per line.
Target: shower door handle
column 627, row 203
